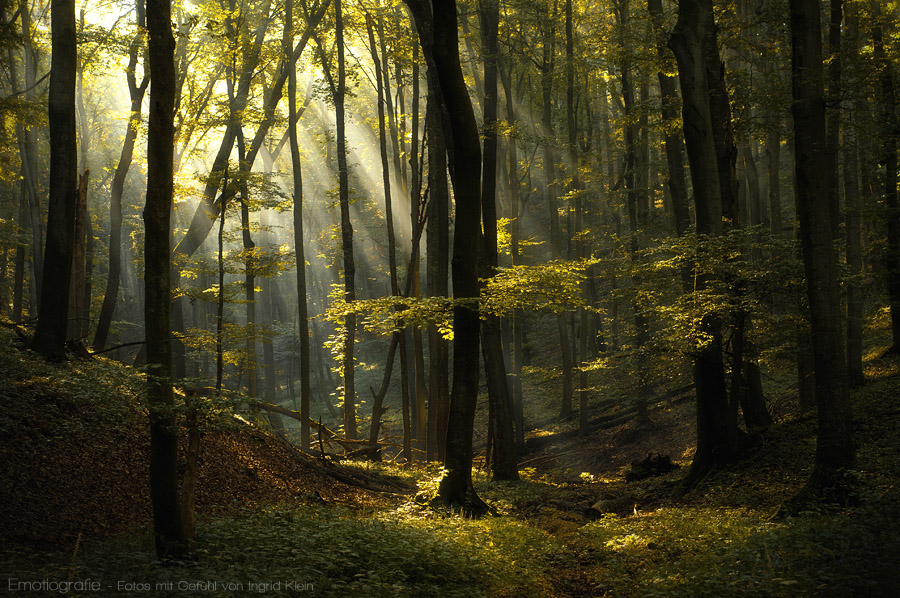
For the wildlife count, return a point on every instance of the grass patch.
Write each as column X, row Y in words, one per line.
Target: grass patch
column 332, row 551
column 694, row 552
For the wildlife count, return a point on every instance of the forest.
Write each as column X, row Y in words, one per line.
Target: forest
column 450, row 297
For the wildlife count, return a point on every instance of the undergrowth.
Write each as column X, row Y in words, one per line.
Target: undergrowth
column 694, row 552
column 331, row 551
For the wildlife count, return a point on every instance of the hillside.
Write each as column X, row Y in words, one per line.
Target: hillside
column 73, row 486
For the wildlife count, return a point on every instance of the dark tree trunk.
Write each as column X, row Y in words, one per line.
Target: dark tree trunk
column 299, row 250
column 833, row 114
column 29, row 154
column 50, row 336
column 171, row 540
column 437, row 26
column 415, row 201
column 516, row 321
column 853, row 203
column 835, row 451
column 673, row 142
column 548, row 34
column 504, row 463
column 76, row 288
column 633, row 201
column 716, row 432
column 437, row 266
column 349, row 401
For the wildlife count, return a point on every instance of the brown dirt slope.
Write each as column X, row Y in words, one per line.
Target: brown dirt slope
column 74, row 456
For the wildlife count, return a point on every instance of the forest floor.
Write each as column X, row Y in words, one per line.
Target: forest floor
column 73, row 492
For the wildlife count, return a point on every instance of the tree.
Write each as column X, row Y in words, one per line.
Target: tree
column 299, row 250
column 50, row 335
column 169, row 532
column 716, row 432
column 504, row 463
column 346, row 231
column 436, row 22
column 835, row 451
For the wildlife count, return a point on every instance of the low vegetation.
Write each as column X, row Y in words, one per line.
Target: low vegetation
column 544, row 539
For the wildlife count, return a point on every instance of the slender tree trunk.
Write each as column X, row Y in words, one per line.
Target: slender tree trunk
column 19, row 264
column 504, row 463
column 220, row 296
column 50, row 336
column 415, row 200
column 29, row 154
column 673, row 142
column 556, row 241
column 516, row 321
column 349, row 401
column 853, row 203
column 398, row 338
column 835, row 450
column 111, row 295
column 299, row 250
column 833, row 113
column 171, row 540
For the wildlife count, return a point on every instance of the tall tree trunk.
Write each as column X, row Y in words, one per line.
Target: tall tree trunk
column 504, row 462
column 516, row 321
column 299, row 250
column 171, row 540
column 50, row 336
column 556, row 241
column 437, row 266
column 349, row 402
column 833, row 113
column 437, row 26
column 853, row 202
column 634, row 198
column 29, row 154
column 715, row 433
column 835, row 450
column 576, row 192
column 415, row 200
column 76, row 287
column 220, row 296
column 673, row 142
column 398, row 337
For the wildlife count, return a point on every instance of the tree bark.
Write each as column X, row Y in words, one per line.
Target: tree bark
column 504, row 462
column 835, row 451
column 299, row 249
column 853, row 202
column 716, row 434
column 516, row 321
column 437, row 264
column 50, row 336
column 673, row 142
column 437, row 25
column 171, row 540
column 349, row 402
